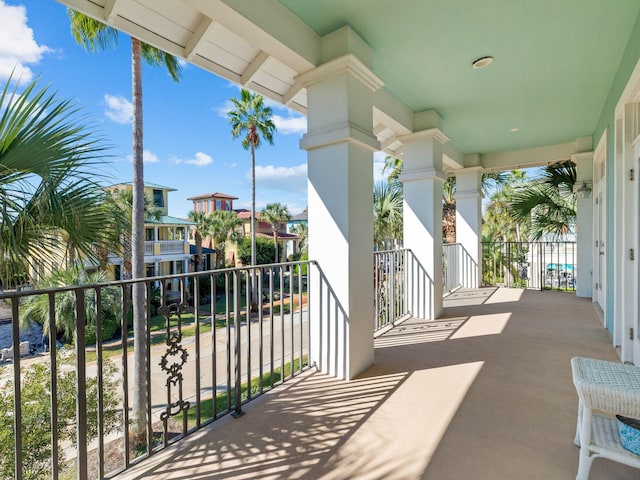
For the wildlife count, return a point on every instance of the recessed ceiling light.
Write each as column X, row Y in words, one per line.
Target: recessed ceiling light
column 514, row 130
column 482, row 62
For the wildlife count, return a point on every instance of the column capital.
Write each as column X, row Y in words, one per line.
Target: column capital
column 477, row 169
column 428, row 173
column 582, row 157
column 431, row 133
column 346, row 132
column 347, row 63
column 471, row 195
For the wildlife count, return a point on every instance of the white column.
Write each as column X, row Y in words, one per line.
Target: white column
column 423, row 180
column 584, row 225
column 469, row 224
column 340, row 145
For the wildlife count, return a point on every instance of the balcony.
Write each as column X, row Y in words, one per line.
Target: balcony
column 484, row 392
column 164, row 247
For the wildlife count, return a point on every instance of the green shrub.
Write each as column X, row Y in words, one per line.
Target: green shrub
column 110, row 326
column 36, row 417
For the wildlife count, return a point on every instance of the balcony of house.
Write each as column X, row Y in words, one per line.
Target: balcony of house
column 165, row 247
column 233, row 384
column 166, row 239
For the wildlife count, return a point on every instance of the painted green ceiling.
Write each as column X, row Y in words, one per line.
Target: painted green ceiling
column 554, row 63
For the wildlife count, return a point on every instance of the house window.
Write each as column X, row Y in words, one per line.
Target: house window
column 218, row 205
column 179, row 266
column 228, row 206
column 158, row 198
column 117, row 272
column 148, row 234
column 151, row 270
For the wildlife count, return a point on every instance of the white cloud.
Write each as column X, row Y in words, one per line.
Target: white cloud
column 18, row 48
column 289, row 179
column 290, row 125
column 223, row 109
column 119, row 109
column 200, row 159
column 147, row 157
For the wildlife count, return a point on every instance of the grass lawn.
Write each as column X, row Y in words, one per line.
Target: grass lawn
column 225, row 404
column 157, row 325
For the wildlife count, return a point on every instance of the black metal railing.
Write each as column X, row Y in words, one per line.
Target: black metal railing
column 390, row 282
column 538, row 265
column 211, row 346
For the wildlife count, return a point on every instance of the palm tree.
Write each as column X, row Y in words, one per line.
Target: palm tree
column 49, row 188
column 224, row 226
column 276, row 214
column 302, row 231
column 387, row 214
column 549, row 202
column 394, row 165
column 489, row 179
column 251, row 118
column 498, row 223
column 449, row 210
column 36, row 307
column 201, row 229
column 94, row 35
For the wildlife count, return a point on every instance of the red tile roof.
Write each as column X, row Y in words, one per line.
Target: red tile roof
column 213, row 195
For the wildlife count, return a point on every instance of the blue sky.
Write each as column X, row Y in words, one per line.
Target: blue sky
column 187, row 139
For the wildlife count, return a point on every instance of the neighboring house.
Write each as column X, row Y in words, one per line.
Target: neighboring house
column 263, row 229
column 166, row 246
column 302, row 217
column 211, row 202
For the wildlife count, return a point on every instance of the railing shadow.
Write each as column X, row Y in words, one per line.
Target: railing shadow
column 301, row 427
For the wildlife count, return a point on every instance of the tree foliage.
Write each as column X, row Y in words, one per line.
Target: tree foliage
column 264, row 251
column 548, row 202
column 36, row 417
column 387, row 214
column 276, row 214
column 36, row 308
column 49, row 183
column 224, row 227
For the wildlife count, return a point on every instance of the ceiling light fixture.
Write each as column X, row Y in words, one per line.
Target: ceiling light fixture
column 516, row 129
column 482, row 62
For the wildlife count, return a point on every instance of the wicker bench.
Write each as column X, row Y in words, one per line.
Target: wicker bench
column 608, row 388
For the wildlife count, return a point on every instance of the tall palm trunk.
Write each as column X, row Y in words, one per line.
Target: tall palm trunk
column 254, row 292
column 275, row 241
column 199, row 257
column 137, row 252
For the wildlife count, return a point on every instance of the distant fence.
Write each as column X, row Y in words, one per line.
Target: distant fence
column 537, row 265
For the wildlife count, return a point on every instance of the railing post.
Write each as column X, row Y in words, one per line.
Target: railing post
column 17, row 392
column 392, row 286
column 237, row 412
column 81, row 387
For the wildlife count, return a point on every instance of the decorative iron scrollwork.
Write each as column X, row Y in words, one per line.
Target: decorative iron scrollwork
column 172, row 362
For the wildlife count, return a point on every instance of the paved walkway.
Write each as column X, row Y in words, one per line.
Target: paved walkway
column 483, row 393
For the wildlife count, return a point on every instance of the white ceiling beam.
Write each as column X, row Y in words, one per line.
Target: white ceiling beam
column 192, row 46
column 533, row 157
column 254, row 67
column 111, row 8
column 269, row 25
column 379, row 128
column 292, row 92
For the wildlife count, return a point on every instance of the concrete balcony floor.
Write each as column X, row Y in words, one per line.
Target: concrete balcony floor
column 483, row 393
